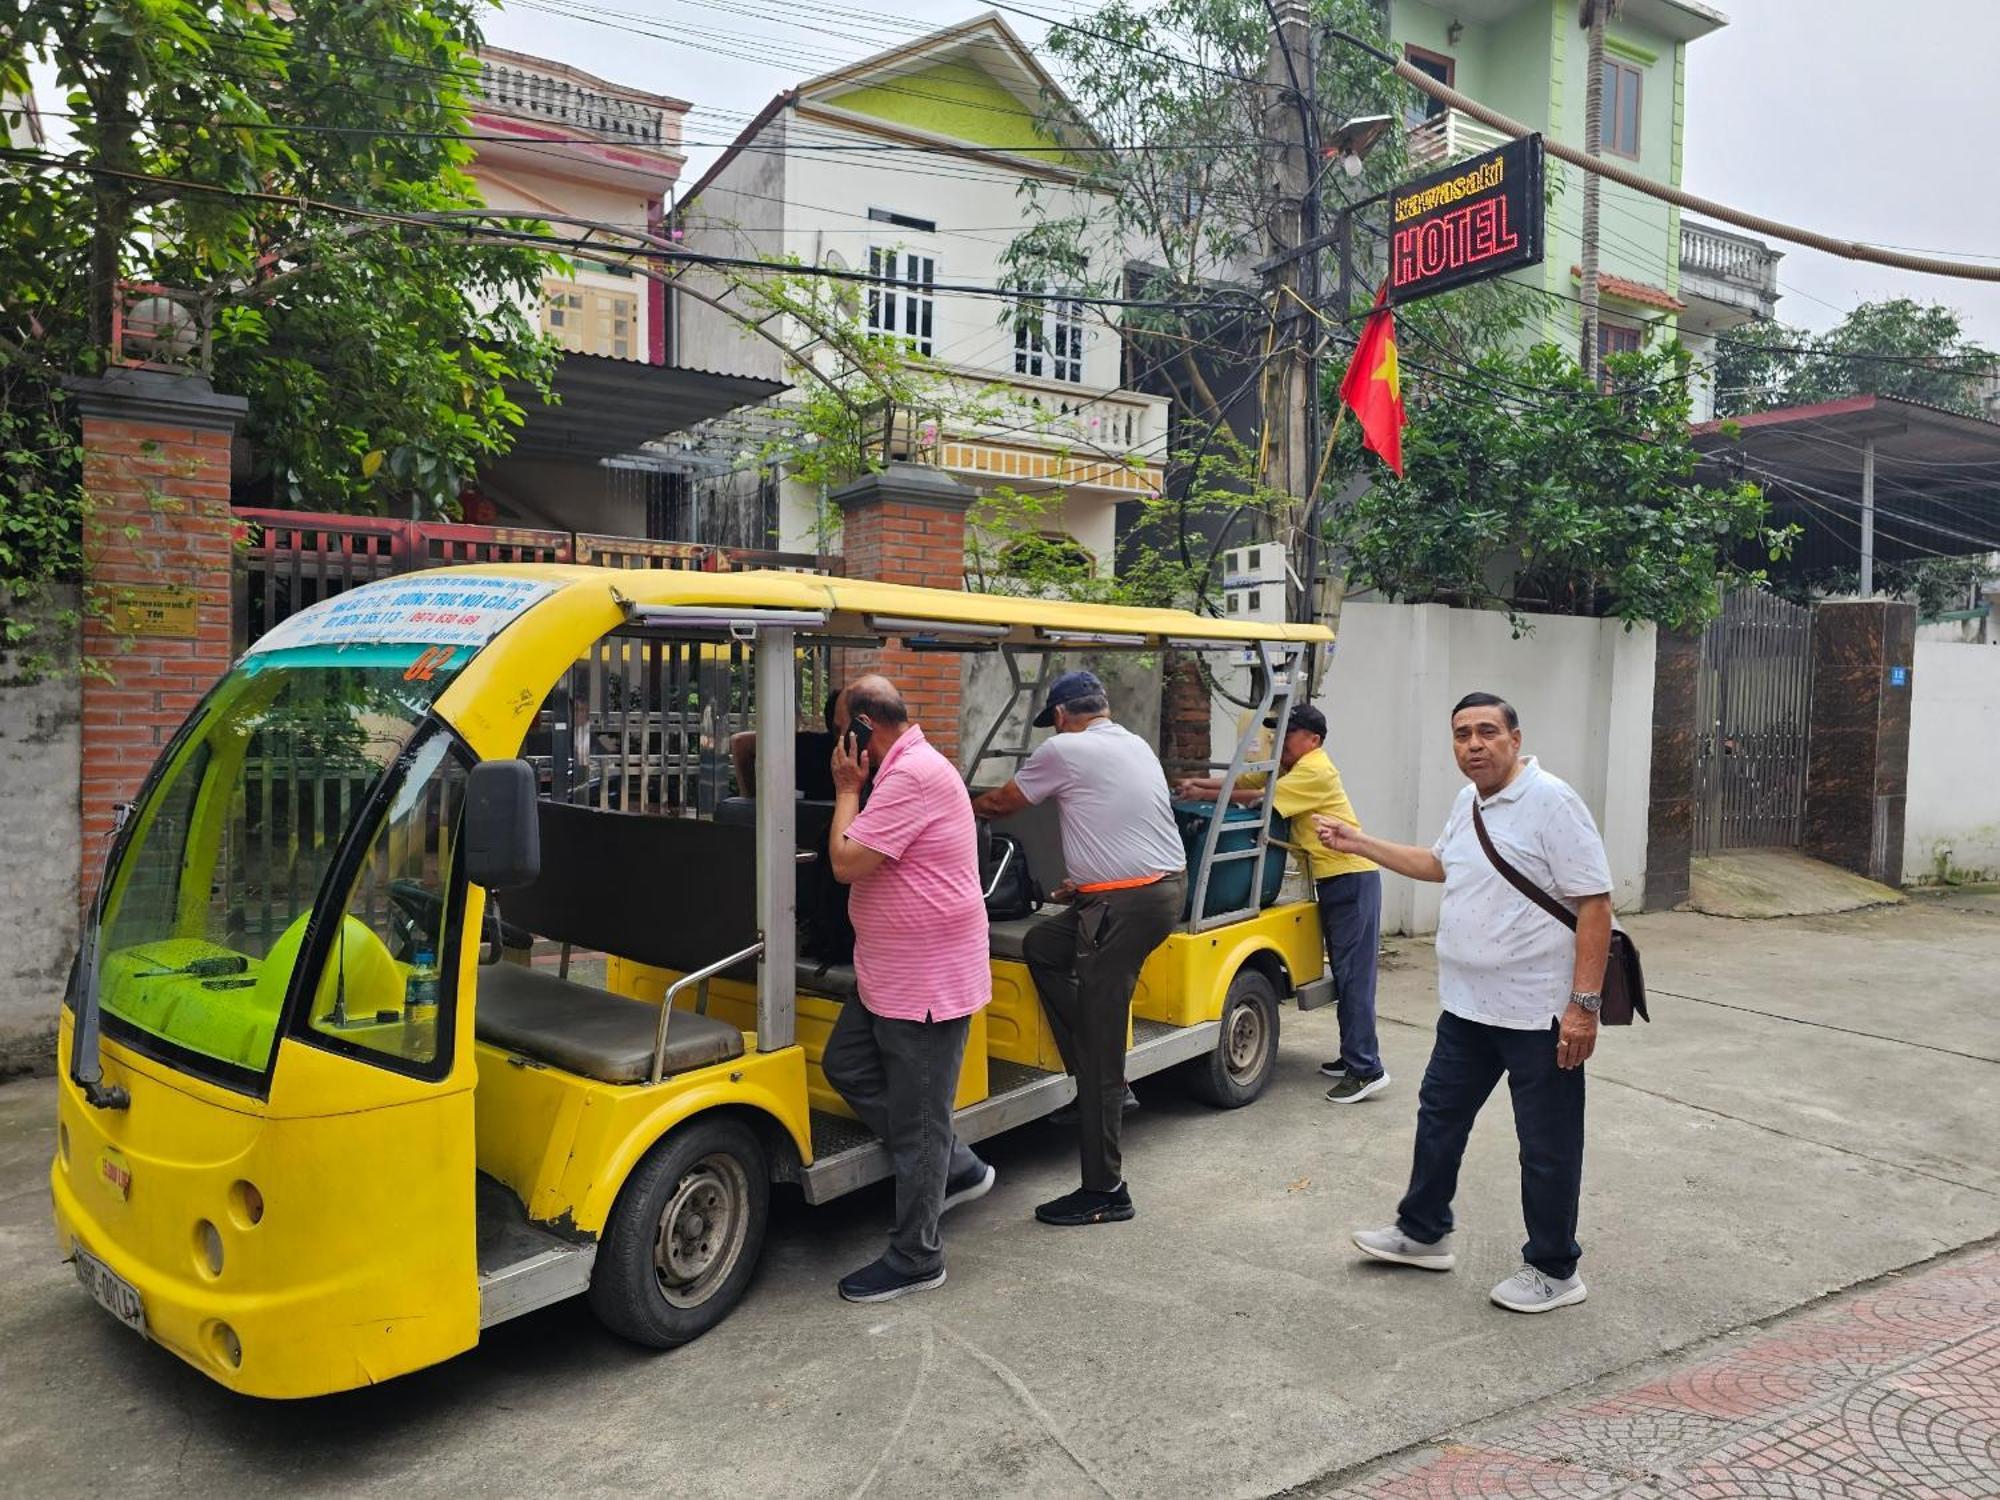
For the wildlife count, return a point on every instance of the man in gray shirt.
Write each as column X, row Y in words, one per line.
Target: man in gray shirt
column 1126, row 887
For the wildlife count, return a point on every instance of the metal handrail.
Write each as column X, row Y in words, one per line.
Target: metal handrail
column 700, row 977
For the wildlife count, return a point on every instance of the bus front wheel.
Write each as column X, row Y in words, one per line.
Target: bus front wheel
column 684, row 1235
column 1246, row 1054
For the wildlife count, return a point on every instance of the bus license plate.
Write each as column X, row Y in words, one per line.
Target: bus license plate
column 113, row 1292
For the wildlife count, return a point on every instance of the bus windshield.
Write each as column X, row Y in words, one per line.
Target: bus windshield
column 206, row 911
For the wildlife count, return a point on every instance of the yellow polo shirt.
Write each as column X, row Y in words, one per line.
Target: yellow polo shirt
column 1313, row 786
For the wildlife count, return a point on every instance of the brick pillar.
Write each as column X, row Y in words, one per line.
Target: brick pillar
column 1857, row 764
column 907, row 525
column 1670, row 810
column 1186, row 726
column 157, row 540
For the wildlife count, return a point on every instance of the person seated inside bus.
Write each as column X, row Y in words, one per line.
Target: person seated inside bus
column 826, row 936
column 812, row 758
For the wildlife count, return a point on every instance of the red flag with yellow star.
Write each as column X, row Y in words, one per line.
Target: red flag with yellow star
column 1373, row 385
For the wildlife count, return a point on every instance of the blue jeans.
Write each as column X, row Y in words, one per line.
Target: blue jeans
column 1350, row 919
column 1465, row 1064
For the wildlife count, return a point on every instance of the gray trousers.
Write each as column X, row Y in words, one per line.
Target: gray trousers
column 1086, row 964
column 899, row 1077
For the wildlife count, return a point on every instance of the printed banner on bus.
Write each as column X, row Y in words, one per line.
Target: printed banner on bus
column 459, row 609
column 1467, row 222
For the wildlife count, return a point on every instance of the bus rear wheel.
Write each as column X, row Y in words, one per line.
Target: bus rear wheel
column 1246, row 1054
column 684, row 1235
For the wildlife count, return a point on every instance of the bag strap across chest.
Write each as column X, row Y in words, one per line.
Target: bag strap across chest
column 1516, row 879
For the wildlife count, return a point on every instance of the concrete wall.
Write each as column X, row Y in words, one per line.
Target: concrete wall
column 1584, row 689
column 1132, row 680
column 40, row 767
column 1952, row 820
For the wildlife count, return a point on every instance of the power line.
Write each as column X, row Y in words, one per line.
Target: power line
column 1708, row 208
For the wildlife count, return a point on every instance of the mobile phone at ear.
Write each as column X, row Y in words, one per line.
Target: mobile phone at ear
column 859, row 731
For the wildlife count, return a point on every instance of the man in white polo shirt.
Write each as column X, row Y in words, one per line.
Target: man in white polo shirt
column 1520, row 994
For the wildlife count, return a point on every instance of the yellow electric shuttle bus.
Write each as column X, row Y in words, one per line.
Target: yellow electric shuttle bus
column 324, row 1116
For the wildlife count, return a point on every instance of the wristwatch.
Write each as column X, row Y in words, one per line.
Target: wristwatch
column 1588, row 1000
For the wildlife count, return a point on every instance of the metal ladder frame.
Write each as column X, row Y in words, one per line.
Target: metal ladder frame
column 1278, row 666
column 1032, row 689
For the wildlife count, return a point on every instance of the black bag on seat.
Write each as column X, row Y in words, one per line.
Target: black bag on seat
column 1011, row 891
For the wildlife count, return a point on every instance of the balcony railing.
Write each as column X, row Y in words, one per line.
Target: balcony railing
column 564, row 102
column 1449, row 137
column 1734, row 258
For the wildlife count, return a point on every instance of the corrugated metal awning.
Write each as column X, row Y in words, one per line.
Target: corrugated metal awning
column 610, row 407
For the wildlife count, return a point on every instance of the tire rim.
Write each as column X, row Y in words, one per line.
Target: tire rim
column 1245, row 1041
column 702, row 1230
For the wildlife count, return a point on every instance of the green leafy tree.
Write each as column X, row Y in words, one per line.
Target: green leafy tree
column 1176, row 219
column 1553, row 496
column 273, row 166
column 1899, row 347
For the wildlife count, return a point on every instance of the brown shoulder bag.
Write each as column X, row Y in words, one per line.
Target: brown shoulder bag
column 1624, row 980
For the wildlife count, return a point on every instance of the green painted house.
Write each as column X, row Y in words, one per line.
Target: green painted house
column 1660, row 276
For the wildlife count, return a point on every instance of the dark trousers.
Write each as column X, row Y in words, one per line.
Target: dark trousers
column 1350, row 919
column 899, row 1077
column 1466, row 1062
column 1086, row 964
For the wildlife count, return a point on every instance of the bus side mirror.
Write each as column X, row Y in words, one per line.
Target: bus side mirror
column 503, row 831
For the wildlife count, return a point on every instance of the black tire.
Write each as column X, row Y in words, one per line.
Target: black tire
column 684, row 1235
column 1246, row 1055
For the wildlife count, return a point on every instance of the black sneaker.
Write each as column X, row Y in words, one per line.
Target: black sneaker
column 974, row 1184
column 1067, row 1114
column 879, row 1281
column 1085, row 1206
column 1352, row 1090
column 1334, row 1069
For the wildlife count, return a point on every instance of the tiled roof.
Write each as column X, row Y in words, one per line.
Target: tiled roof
column 1642, row 292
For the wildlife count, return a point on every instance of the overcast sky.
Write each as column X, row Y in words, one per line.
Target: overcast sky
column 1845, row 116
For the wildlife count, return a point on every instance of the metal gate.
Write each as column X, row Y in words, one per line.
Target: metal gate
column 1753, row 703
column 637, row 725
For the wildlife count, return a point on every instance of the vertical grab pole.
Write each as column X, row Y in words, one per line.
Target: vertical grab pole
column 777, row 839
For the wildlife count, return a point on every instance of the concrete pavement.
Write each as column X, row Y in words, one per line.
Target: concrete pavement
column 1813, row 1108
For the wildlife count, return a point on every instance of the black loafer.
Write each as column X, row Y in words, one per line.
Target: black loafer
column 1085, row 1206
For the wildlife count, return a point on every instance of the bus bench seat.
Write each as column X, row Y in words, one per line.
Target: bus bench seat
column 1004, row 939
column 830, row 981
column 589, row 1031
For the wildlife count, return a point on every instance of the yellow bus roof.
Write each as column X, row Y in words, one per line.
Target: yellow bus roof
column 855, row 597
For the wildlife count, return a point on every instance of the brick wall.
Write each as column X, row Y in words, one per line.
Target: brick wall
column 1186, row 730
column 907, row 525
column 156, row 477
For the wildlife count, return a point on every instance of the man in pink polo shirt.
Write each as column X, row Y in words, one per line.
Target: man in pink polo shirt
column 912, row 858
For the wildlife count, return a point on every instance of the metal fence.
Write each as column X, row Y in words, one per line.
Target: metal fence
column 638, row 725
column 1753, row 707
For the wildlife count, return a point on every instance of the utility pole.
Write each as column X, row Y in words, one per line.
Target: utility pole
column 1594, row 14
column 1291, row 405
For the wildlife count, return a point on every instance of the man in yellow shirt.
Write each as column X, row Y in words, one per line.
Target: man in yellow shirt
column 1349, row 889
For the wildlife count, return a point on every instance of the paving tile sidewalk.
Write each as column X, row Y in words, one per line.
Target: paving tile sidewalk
column 1892, row 1392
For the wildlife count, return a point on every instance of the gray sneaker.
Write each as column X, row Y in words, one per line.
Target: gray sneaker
column 1398, row 1248
column 1529, row 1291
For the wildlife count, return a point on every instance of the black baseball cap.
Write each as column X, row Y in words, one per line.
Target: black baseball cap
column 1303, row 716
column 1065, row 690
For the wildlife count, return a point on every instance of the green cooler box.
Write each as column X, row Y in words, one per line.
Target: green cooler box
column 1229, row 890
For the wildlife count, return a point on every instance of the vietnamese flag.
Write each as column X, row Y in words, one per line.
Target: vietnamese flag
column 1373, row 385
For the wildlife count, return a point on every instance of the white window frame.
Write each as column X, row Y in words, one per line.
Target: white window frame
column 1049, row 338
column 902, row 303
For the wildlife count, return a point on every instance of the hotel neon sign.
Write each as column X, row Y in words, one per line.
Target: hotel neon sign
column 1472, row 220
